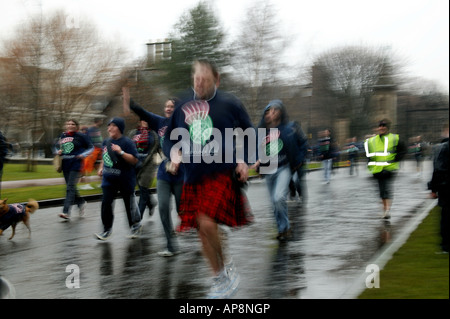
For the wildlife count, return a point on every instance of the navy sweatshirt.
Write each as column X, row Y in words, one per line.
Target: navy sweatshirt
column 202, row 130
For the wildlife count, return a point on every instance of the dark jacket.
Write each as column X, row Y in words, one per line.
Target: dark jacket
column 294, row 144
column 145, row 167
column 439, row 180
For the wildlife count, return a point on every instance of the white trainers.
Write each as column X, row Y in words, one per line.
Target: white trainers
column 81, row 208
column 167, row 253
column 103, row 236
column 223, row 286
column 135, row 231
column 231, row 270
column 85, row 187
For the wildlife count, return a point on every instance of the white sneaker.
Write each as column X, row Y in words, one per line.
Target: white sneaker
column 167, row 253
column 223, row 287
column 103, row 236
column 85, row 187
column 135, row 231
column 231, row 271
column 82, row 207
column 234, row 277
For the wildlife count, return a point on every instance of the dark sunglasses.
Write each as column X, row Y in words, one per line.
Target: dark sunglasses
column 382, row 124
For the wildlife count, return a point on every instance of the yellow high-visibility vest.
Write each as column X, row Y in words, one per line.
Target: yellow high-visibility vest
column 381, row 151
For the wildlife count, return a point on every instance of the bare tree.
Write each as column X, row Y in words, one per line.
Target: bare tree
column 347, row 76
column 258, row 51
column 62, row 68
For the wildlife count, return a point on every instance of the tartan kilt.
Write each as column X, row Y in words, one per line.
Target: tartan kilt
column 217, row 196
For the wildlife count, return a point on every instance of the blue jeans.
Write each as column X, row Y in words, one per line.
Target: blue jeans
column 327, row 166
column 353, row 165
column 72, row 195
column 164, row 189
column 278, row 185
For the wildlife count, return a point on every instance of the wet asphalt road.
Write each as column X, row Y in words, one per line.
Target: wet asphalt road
column 336, row 233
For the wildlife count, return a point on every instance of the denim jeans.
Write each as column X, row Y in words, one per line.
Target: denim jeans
column 278, row 185
column 72, row 195
column 353, row 165
column 327, row 166
column 164, row 190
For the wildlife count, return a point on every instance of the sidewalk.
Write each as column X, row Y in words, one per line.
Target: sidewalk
column 43, row 182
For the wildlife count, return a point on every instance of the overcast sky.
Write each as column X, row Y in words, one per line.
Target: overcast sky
column 417, row 30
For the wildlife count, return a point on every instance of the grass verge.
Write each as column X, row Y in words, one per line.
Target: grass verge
column 17, row 172
column 21, row 195
column 416, row 270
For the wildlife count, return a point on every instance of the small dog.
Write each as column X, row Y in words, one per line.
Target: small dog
column 11, row 215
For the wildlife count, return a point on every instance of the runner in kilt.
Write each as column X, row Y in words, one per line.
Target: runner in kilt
column 212, row 193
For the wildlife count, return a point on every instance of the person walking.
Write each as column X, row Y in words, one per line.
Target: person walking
column 146, row 143
column 3, row 153
column 73, row 147
column 326, row 154
column 212, row 193
column 297, row 184
column 416, row 148
column 282, row 139
column 352, row 150
column 118, row 175
column 439, row 185
column 167, row 183
column 384, row 151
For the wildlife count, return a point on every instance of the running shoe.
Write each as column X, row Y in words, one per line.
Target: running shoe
column 82, row 208
column 167, row 253
column 64, row 216
column 223, row 287
column 135, row 231
column 104, row 236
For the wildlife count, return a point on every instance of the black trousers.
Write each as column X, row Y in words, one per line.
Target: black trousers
column 443, row 202
column 129, row 200
column 385, row 181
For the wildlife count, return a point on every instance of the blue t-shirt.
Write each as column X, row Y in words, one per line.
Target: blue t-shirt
column 117, row 171
column 73, row 145
column 159, row 125
column 202, row 121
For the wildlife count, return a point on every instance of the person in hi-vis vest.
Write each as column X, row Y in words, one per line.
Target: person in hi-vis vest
column 384, row 152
